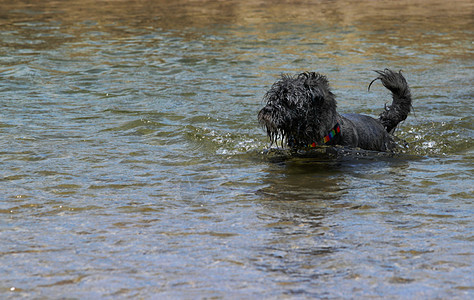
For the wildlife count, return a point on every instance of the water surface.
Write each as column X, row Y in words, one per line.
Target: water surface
column 132, row 163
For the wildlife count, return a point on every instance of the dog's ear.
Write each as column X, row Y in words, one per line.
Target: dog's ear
column 310, row 84
column 308, row 79
column 318, row 87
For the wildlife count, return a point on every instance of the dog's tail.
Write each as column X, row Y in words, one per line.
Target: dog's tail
column 401, row 104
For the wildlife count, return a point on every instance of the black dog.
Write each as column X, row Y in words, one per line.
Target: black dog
column 301, row 111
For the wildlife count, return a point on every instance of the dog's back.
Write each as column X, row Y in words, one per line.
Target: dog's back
column 364, row 132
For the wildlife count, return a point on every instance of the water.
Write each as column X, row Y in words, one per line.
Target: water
column 133, row 165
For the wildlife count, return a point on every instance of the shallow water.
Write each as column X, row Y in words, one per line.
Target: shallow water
column 133, row 164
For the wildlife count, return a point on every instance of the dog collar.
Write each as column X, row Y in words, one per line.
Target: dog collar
column 330, row 136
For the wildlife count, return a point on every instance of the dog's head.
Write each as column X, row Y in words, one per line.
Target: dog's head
column 299, row 109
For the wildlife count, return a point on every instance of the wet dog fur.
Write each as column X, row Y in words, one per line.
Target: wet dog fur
column 300, row 111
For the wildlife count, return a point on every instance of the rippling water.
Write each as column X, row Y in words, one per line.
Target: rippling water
column 133, row 165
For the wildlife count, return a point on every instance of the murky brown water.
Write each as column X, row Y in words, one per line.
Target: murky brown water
column 132, row 164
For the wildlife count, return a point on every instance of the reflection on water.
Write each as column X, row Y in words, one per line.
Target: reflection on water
column 133, row 164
